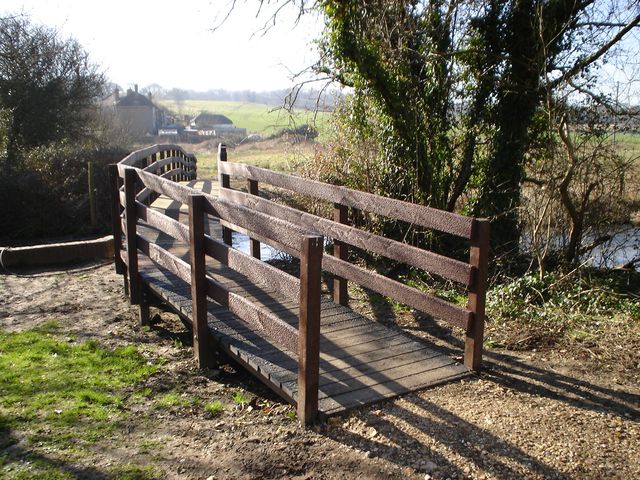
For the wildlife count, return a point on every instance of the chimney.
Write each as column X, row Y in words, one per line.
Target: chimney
column 149, row 96
column 116, row 94
column 135, row 87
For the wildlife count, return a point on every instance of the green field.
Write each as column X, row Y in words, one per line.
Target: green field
column 255, row 117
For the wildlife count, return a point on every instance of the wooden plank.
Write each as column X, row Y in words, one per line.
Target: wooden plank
column 155, row 165
column 446, row 267
column 409, row 212
column 395, row 378
column 257, row 224
column 422, row 301
column 131, row 237
column 479, row 257
column 364, row 396
column 261, row 319
column 114, row 191
column 224, row 182
column 309, row 329
column 163, row 223
column 254, row 269
column 172, row 174
column 254, row 245
column 202, row 345
column 166, row 259
column 340, row 250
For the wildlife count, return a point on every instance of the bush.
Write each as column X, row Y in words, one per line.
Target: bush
column 48, row 196
column 533, row 312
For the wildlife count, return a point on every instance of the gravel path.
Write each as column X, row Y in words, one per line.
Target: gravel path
column 530, row 415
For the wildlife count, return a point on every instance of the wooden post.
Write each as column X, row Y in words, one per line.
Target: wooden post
column 92, row 195
column 340, row 289
column 143, row 311
column 479, row 258
column 254, row 245
column 309, row 329
column 224, row 182
column 202, row 345
column 130, row 177
column 116, row 226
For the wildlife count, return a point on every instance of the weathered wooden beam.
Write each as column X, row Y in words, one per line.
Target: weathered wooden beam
column 433, row 218
column 224, row 182
column 130, row 177
column 309, row 329
column 254, row 245
column 429, row 261
column 421, row 301
column 114, row 190
column 259, row 319
column 479, row 258
column 340, row 250
column 202, row 342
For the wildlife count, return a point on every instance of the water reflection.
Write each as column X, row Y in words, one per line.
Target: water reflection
column 241, row 242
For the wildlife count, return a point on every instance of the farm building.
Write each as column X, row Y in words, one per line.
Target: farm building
column 212, row 124
column 135, row 112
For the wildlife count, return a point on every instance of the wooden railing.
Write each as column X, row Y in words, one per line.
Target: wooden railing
column 148, row 173
column 471, row 274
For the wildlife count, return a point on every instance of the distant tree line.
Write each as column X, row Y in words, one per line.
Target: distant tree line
column 308, row 98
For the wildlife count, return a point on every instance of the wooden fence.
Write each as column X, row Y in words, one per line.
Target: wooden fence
column 146, row 174
column 134, row 186
column 471, row 274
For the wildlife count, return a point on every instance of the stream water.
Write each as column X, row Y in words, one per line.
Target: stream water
column 623, row 247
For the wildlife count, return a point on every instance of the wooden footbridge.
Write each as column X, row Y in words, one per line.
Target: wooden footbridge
column 173, row 241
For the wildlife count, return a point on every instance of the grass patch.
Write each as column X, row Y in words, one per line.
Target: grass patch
column 239, row 398
column 60, row 395
column 214, row 408
column 172, row 400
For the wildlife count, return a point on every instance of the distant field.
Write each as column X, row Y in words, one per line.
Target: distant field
column 255, row 117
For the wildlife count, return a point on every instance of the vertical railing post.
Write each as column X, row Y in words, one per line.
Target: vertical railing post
column 478, row 258
column 202, row 345
column 116, row 225
column 224, row 182
column 309, row 329
column 254, row 245
column 340, row 289
column 161, row 156
column 130, row 177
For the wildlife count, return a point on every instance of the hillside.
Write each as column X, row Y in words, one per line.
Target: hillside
column 255, row 117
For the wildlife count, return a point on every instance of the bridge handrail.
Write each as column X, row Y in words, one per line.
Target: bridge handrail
column 146, row 174
column 472, row 274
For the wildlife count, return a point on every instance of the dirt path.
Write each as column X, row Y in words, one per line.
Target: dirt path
column 536, row 415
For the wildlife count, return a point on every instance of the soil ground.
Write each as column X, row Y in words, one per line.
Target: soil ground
column 531, row 414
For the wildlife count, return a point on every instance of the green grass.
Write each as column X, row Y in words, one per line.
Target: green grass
column 172, row 400
column 63, row 396
column 239, row 398
column 255, row 117
column 214, row 408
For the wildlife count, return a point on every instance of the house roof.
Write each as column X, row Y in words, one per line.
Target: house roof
column 134, row 99
column 206, row 118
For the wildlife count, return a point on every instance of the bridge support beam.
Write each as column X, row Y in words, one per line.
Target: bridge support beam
column 478, row 257
column 309, row 329
column 202, row 341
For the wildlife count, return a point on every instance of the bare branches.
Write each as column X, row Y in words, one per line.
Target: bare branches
column 583, row 63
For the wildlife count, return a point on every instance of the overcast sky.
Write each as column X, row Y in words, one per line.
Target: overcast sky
column 171, row 42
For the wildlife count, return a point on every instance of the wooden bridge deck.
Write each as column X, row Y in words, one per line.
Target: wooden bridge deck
column 361, row 361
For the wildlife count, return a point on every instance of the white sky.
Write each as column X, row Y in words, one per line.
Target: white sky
column 169, row 42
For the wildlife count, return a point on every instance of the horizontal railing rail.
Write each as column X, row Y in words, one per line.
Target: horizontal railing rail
column 471, row 274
